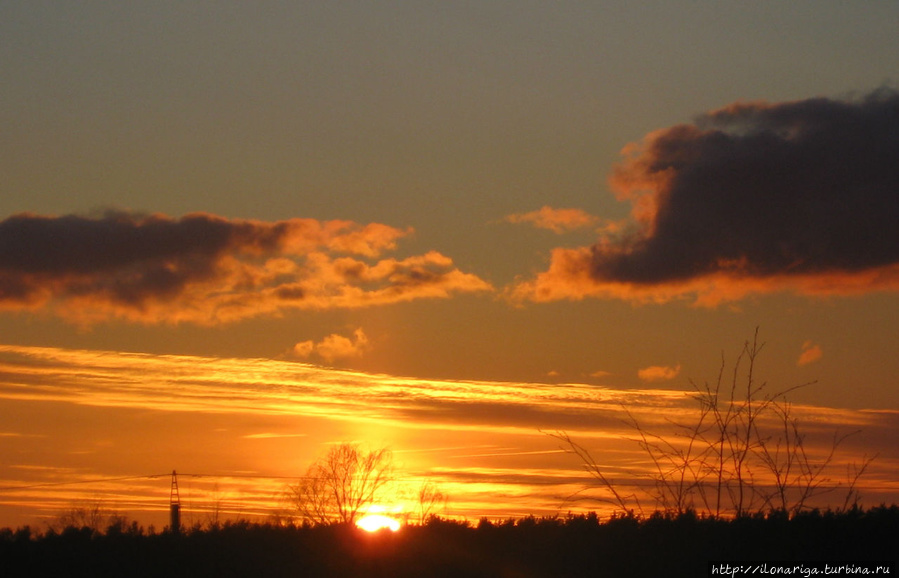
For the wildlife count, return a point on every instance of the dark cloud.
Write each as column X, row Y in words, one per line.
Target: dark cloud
column 202, row 268
column 754, row 197
column 34, row 244
column 127, row 258
column 794, row 188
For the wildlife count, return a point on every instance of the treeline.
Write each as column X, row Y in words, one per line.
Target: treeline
column 582, row 545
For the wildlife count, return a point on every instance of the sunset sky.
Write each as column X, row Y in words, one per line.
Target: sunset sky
column 232, row 234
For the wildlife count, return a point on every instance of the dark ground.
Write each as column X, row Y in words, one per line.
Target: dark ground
column 555, row 547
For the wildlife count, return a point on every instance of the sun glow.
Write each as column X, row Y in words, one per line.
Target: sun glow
column 375, row 522
column 258, row 410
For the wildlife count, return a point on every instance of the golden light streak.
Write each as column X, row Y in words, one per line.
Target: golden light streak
column 251, row 426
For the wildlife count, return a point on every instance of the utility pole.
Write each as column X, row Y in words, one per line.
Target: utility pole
column 175, row 506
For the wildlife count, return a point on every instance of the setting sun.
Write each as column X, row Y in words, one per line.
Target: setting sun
column 375, row 522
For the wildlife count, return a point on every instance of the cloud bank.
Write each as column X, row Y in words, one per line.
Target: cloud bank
column 752, row 198
column 206, row 269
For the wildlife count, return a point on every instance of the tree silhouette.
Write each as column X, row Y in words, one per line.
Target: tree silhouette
column 429, row 499
column 342, row 484
column 92, row 515
column 743, row 453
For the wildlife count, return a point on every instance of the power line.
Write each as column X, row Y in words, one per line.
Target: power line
column 248, row 476
column 91, row 481
column 147, row 477
column 144, row 477
column 632, row 483
column 153, row 476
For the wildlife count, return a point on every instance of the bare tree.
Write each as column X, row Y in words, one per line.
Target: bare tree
column 429, row 499
column 342, row 484
column 744, row 452
column 624, row 502
column 853, row 472
column 90, row 514
column 735, row 439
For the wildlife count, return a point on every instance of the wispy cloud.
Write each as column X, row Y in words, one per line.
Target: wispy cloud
column 265, row 436
column 556, row 220
column 273, row 387
column 144, row 414
column 752, row 198
column 206, row 269
column 265, row 387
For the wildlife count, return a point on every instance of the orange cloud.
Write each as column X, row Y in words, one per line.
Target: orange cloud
column 658, row 373
column 334, row 346
column 556, row 220
column 810, row 353
column 569, row 277
column 205, row 269
column 753, row 198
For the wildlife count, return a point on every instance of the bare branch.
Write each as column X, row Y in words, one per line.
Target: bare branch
column 341, row 485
